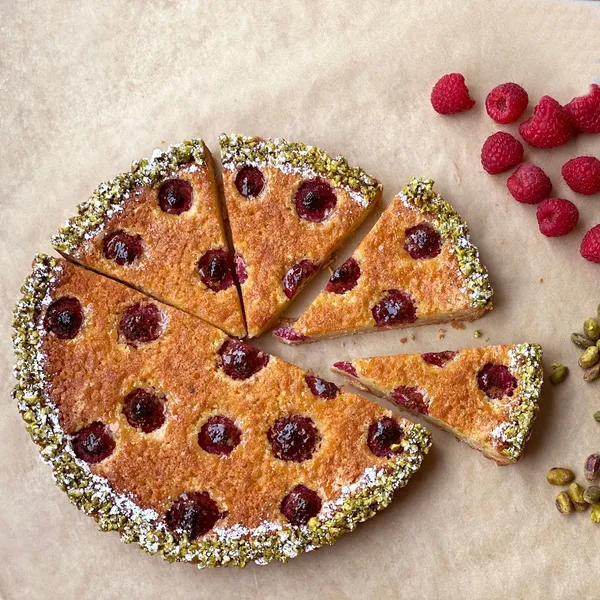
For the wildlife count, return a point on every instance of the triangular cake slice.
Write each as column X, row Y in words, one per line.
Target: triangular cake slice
column 417, row 266
column 487, row 397
column 188, row 442
column 159, row 229
column 289, row 206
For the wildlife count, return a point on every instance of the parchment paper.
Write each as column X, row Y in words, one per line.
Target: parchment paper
column 89, row 86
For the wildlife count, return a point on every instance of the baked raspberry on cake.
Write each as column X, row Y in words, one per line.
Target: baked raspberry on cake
column 191, row 443
column 289, row 206
column 159, row 229
column 487, row 397
column 417, row 266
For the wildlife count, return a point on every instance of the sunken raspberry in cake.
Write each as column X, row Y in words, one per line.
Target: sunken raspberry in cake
column 159, row 229
column 487, row 397
column 188, row 442
column 289, row 206
column 417, row 266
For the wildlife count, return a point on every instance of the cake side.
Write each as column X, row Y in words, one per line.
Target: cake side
column 487, row 397
column 93, row 494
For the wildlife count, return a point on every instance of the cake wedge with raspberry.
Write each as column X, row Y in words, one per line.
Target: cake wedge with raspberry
column 158, row 228
column 188, row 442
column 289, row 207
column 417, row 266
column 487, row 397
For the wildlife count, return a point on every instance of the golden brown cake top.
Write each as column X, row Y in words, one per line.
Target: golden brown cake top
column 156, row 423
column 489, row 395
column 289, row 207
column 416, row 265
column 159, row 228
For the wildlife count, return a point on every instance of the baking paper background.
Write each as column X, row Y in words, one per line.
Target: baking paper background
column 89, row 86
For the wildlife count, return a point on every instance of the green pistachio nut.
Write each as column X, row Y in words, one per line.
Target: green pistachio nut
column 592, row 494
column 564, row 503
column 559, row 373
column 581, row 341
column 576, row 492
column 591, row 329
column 592, row 374
column 590, row 357
column 595, row 516
column 560, row 476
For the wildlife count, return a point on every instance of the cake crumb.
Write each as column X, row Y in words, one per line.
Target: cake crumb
column 403, row 340
column 541, row 280
column 412, row 337
column 457, row 325
column 441, row 334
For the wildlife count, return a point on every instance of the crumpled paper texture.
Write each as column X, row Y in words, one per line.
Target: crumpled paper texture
column 90, row 86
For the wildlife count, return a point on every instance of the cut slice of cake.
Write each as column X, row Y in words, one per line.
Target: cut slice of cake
column 289, row 206
column 417, row 266
column 188, row 442
column 159, row 229
column 487, row 397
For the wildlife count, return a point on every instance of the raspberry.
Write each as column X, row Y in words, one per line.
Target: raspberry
column 122, row 247
column 451, row 95
column 219, row 435
column 239, row 360
column 422, row 241
column 439, row 359
column 500, row 152
column 346, row 367
column 395, row 308
column 411, row 398
column 293, row 438
column 193, row 513
column 300, row 505
column 582, row 174
column 584, row 111
column 320, row 387
column 506, row 103
column 529, row 184
column 344, row 278
column 549, row 127
column 384, row 434
column 175, row 196
column 496, row 381
column 315, row 200
column 215, row 268
column 590, row 245
column 250, row 182
column 556, row 216
column 144, row 410
column 297, row 275
column 64, row 318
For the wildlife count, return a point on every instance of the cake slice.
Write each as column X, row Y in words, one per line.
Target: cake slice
column 417, row 266
column 289, row 206
column 487, row 397
column 190, row 443
column 159, row 229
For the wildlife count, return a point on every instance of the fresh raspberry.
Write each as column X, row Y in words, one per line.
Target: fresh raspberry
column 549, row 127
column 529, row 184
column 451, row 95
column 582, row 174
column 506, row 102
column 556, row 216
column 500, row 152
column 585, row 111
column 590, row 245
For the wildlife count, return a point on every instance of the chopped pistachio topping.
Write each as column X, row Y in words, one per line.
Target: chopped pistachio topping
column 113, row 511
column 526, row 367
column 109, row 197
column 419, row 193
column 294, row 157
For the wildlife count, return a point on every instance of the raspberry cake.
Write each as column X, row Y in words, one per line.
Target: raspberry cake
column 159, row 229
column 487, row 397
column 289, row 206
column 417, row 266
column 188, row 442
